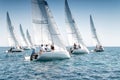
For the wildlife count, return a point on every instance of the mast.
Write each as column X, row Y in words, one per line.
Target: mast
column 23, row 35
column 93, row 31
column 11, row 32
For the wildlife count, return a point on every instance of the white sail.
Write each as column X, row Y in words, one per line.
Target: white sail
column 54, row 31
column 23, row 36
column 93, row 31
column 29, row 38
column 74, row 35
column 43, row 19
column 40, row 22
column 12, row 38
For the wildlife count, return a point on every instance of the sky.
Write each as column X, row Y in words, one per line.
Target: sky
column 105, row 14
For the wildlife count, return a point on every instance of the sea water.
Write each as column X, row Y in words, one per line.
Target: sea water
column 94, row 66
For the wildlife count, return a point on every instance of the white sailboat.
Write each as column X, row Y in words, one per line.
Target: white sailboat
column 98, row 45
column 26, row 47
column 49, row 33
column 73, row 33
column 13, row 43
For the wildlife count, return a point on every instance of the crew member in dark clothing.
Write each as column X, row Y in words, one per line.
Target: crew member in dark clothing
column 52, row 47
column 33, row 55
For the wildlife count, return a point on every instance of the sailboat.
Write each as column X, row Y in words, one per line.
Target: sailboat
column 49, row 33
column 76, row 44
column 15, row 47
column 99, row 47
column 27, row 47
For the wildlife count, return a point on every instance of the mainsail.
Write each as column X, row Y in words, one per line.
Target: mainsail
column 93, row 31
column 12, row 38
column 40, row 22
column 43, row 19
column 29, row 38
column 23, row 35
column 74, row 35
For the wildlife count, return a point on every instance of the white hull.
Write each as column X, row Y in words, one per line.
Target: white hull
column 79, row 51
column 54, row 55
column 76, row 51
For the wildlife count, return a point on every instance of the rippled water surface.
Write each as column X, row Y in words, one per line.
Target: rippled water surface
column 93, row 66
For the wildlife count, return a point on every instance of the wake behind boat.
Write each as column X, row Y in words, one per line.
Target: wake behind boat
column 99, row 47
column 48, row 32
column 76, row 43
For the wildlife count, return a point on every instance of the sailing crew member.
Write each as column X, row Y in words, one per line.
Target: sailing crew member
column 41, row 49
column 33, row 55
column 101, row 48
column 75, row 46
column 10, row 50
column 71, row 50
column 52, row 47
column 79, row 46
column 47, row 49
